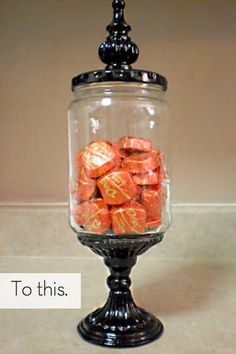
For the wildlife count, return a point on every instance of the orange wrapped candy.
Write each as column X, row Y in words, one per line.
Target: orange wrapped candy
column 141, row 163
column 148, row 178
column 152, row 201
column 137, row 196
column 161, row 169
column 117, row 187
column 153, row 223
column 121, row 153
column 97, row 158
column 137, row 144
column 129, row 218
column 93, row 215
column 85, row 187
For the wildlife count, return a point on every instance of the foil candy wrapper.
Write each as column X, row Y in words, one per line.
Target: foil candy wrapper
column 135, row 144
column 141, row 163
column 93, row 215
column 129, row 218
column 117, row 187
column 152, row 200
column 97, row 158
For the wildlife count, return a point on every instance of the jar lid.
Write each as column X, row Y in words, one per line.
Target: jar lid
column 119, row 52
column 120, row 75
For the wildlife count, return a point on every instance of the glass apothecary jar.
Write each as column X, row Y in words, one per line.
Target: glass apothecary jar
column 118, row 155
column 119, row 179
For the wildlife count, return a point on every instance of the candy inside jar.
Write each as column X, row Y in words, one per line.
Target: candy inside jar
column 119, row 187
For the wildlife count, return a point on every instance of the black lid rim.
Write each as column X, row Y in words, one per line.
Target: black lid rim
column 131, row 75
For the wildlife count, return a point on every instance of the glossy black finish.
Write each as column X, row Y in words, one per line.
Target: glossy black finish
column 148, row 77
column 118, row 51
column 120, row 323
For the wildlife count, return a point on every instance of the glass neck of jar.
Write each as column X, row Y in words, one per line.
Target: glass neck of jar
column 116, row 88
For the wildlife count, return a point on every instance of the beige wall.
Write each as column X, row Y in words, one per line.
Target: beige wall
column 44, row 43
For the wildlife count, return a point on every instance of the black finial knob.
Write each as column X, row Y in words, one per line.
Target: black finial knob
column 118, row 51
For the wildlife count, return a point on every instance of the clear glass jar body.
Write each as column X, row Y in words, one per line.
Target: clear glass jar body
column 118, row 160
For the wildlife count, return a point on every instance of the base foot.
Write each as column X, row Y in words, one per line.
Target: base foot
column 120, row 323
column 117, row 332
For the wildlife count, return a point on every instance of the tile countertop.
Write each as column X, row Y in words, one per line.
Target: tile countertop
column 192, row 292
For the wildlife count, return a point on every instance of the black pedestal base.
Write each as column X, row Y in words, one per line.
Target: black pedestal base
column 120, row 323
column 97, row 330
